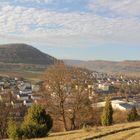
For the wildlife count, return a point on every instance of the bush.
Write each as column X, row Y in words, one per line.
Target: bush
column 132, row 115
column 87, row 127
column 36, row 123
column 117, row 118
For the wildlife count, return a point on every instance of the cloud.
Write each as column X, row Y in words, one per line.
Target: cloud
column 48, row 1
column 38, row 1
column 120, row 7
column 64, row 28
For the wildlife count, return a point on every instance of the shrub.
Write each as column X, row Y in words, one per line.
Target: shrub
column 117, row 118
column 36, row 123
column 132, row 115
column 87, row 127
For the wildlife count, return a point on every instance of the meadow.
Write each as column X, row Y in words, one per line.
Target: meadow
column 125, row 131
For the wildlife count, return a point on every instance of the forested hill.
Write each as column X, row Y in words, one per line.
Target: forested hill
column 23, row 53
column 122, row 67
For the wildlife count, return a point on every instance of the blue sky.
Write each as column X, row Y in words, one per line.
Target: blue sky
column 74, row 29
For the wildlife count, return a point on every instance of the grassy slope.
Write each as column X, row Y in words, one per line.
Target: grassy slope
column 127, row 131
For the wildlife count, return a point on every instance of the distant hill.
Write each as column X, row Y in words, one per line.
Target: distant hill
column 23, row 53
column 120, row 67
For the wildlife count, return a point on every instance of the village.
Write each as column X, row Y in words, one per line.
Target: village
column 19, row 92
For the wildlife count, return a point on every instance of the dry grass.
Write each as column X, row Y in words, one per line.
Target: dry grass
column 120, row 132
column 124, row 135
column 136, row 136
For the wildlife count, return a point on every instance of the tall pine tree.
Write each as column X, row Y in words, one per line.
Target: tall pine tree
column 107, row 114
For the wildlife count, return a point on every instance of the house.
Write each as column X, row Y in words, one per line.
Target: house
column 26, row 91
column 36, row 97
column 90, row 86
column 12, row 82
column 25, row 88
column 22, row 97
column 28, row 103
column 103, row 87
column 121, row 105
column 17, row 103
column 1, row 83
column 117, row 105
column 124, row 106
column 35, row 88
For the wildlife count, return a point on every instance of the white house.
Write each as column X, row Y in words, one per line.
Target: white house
column 26, row 91
column 1, row 83
column 90, row 86
column 103, row 87
column 35, row 88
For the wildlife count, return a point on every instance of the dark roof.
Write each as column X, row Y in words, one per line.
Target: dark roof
column 23, row 95
column 126, row 105
column 29, row 101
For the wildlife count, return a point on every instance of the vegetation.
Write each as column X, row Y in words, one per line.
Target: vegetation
column 130, row 131
column 133, row 115
column 4, row 116
column 131, row 68
column 23, row 60
column 107, row 117
column 117, row 118
column 69, row 96
column 128, row 90
column 12, row 130
column 22, row 53
column 36, row 124
column 67, row 99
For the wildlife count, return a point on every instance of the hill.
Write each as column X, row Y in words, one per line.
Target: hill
column 22, row 60
column 125, row 131
column 118, row 67
column 23, row 53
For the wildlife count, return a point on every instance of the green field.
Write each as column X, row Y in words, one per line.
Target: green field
column 127, row 131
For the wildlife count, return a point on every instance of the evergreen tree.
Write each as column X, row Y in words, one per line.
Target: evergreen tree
column 107, row 118
column 36, row 123
column 132, row 115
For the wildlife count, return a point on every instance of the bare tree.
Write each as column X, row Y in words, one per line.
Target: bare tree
column 79, row 103
column 67, row 93
column 4, row 116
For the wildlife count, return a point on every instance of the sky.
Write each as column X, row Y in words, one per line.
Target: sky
column 74, row 29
